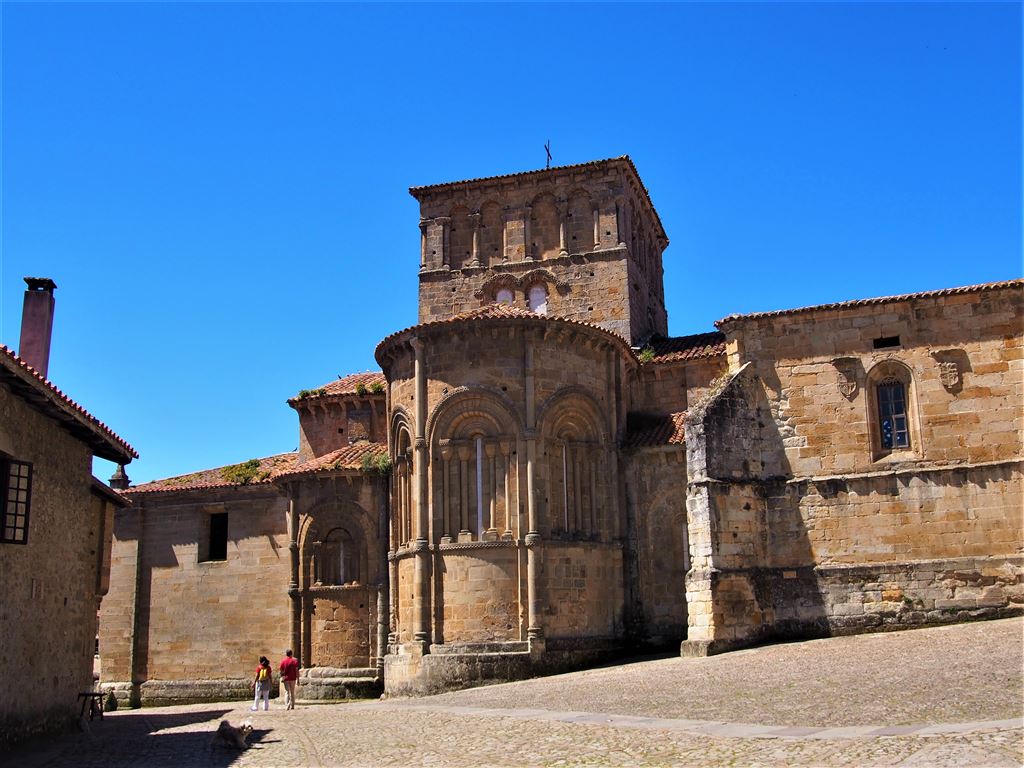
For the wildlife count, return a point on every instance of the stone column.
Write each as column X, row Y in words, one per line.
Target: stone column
column 445, row 223
column 562, row 250
column 293, row 584
column 446, row 502
column 620, row 222
column 393, row 632
column 474, row 220
column 504, row 236
column 534, row 628
column 597, row 227
column 527, row 245
column 490, row 450
column 421, row 577
column 464, row 499
column 423, row 244
column 506, row 446
column 383, row 578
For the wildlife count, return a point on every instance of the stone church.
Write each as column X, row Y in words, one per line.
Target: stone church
column 540, row 477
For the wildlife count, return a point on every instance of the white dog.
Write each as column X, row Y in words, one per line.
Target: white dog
column 232, row 737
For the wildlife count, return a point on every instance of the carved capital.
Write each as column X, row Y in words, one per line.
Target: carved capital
column 532, row 540
column 419, row 545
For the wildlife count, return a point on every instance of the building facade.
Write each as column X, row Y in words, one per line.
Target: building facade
column 540, row 477
column 55, row 533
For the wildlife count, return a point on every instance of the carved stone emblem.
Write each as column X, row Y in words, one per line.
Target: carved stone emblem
column 846, row 376
column 949, row 373
column 951, row 363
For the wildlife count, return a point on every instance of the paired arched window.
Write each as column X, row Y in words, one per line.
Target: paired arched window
column 505, row 296
column 337, row 559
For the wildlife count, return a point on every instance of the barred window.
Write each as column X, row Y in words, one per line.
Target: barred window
column 17, row 479
column 892, row 414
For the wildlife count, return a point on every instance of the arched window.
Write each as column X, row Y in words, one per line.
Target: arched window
column 505, row 296
column 538, row 299
column 338, row 559
column 401, row 490
column 893, row 426
column 891, row 410
column 474, row 473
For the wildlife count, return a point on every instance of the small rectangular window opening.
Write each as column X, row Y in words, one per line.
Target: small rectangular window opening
column 17, row 484
column 217, row 548
column 883, row 342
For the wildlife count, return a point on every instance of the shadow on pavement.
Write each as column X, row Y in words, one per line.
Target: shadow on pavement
column 138, row 737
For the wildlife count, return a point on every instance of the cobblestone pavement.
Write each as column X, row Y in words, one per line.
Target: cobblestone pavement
column 950, row 696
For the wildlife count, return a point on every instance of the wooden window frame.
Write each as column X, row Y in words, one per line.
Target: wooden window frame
column 6, row 513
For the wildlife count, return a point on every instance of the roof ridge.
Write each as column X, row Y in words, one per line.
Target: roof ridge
column 39, row 381
column 976, row 288
column 554, row 168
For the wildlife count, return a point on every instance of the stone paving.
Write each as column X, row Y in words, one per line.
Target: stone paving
column 949, row 696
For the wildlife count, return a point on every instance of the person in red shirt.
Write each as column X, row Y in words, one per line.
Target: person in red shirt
column 289, row 676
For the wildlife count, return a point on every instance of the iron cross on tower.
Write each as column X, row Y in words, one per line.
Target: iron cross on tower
column 547, row 148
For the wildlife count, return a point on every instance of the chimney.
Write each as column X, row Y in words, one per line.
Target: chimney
column 36, row 323
column 119, row 480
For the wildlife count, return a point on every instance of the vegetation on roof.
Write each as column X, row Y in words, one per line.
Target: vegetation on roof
column 244, row 473
column 376, row 463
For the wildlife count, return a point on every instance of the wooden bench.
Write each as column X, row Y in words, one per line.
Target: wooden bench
column 94, row 701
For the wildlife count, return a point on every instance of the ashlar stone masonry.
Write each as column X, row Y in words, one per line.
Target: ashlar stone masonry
column 540, row 477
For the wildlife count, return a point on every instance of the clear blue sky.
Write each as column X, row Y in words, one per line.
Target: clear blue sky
column 219, row 191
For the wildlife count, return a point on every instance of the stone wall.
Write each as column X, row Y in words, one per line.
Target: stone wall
column 960, row 353
column 479, row 593
column 198, row 627
column 50, row 583
column 583, row 586
column 656, row 499
column 329, row 423
column 802, row 522
column 588, row 234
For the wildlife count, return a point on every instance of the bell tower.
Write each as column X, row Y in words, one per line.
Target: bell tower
column 581, row 242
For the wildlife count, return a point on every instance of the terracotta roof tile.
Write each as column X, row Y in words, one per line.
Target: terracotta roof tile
column 878, row 300
column 497, row 312
column 349, row 457
column 655, row 431
column 34, row 388
column 688, row 347
column 494, row 310
column 345, row 385
column 214, row 478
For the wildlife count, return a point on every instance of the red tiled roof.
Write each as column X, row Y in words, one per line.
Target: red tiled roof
column 656, row 431
column 344, row 385
column 349, row 457
column 416, row 191
column 878, row 300
column 688, row 347
column 493, row 310
column 498, row 312
column 26, row 382
column 214, row 478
